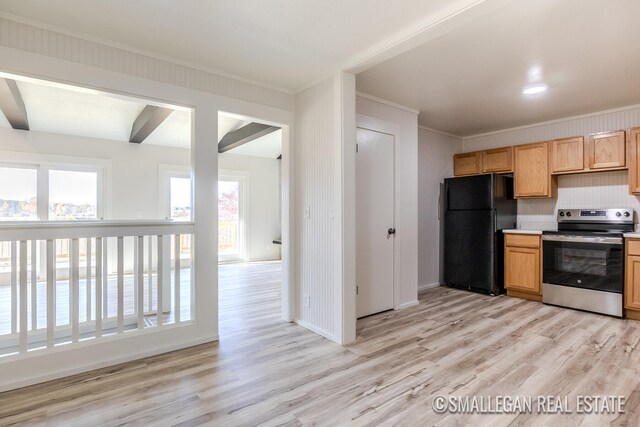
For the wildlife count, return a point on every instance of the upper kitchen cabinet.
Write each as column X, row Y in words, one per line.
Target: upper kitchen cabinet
column 567, row 155
column 633, row 148
column 467, row 163
column 532, row 173
column 498, row 160
column 607, row 150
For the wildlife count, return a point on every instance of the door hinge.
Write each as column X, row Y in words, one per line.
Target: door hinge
column 356, row 290
column 356, row 148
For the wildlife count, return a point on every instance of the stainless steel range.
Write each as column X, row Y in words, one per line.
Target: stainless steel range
column 583, row 262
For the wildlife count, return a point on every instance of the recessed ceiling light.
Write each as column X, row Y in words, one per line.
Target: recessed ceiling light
column 534, row 89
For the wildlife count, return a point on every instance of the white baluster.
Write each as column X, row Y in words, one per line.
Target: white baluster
column 176, row 279
column 23, row 296
column 99, row 273
column 88, row 280
column 74, row 292
column 105, row 279
column 120, row 284
column 159, row 282
column 51, row 292
column 34, row 286
column 150, row 274
column 14, row 287
column 139, row 281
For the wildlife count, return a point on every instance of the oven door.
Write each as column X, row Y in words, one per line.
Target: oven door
column 583, row 262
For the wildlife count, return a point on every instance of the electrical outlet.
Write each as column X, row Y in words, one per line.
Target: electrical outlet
column 307, row 212
column 306, row 301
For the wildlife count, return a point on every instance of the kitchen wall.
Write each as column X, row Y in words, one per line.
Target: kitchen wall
column 592, row 190
column 435, row 159
column 263, row 221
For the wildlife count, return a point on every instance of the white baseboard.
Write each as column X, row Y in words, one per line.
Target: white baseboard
column 316, row 330
column 408, row 304
column 428, row 286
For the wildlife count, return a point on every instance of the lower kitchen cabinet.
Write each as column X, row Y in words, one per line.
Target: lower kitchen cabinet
column 632, row 279
column 523, row 266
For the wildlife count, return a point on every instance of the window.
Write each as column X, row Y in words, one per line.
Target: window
column 18, row 194
column 180, row 196
column 73, row 195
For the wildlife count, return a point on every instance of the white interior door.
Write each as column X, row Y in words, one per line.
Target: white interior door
column 374, row 221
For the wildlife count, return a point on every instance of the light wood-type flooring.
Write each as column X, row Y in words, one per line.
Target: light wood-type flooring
column 267, row 372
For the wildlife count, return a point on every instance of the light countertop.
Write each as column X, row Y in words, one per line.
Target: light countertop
column 635, row 234
column 521, row 231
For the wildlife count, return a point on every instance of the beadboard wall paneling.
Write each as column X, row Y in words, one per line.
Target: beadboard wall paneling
column 316, row 172
column 572, row 126
column 592, row 190
column 405, row 124
column 435, row 158
column 30, row 38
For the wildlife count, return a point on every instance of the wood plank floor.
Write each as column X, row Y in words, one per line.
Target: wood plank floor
column 264, row 371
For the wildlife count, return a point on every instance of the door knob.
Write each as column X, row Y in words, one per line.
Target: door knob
column 391, row 231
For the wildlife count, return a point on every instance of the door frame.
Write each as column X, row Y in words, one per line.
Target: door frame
column 381, row 126
column 287, row 185
column 393, row 205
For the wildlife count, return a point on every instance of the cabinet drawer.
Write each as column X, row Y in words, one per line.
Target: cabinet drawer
column 633, row 246
column 523, row 240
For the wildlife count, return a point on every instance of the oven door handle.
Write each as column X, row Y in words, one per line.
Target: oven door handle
column 577, row 239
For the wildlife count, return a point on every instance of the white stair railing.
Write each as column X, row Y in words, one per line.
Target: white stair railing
column 53, row 305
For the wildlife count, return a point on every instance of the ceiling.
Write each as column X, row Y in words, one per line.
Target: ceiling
column 75, row 111
column 70, row 110
column 282, row 43
column 461, row 63
column 470, row 80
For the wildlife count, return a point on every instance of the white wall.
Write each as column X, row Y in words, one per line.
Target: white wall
column 263, row 190
column 316, row 172
column 403, row 124
column 435, row 159
column 593, row 190
column 325, row 208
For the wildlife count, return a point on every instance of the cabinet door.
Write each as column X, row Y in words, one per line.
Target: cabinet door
column 567, row 155
column 634, row 161
column 607, row 150
column 522, row 269
column 532, row 177
column 466, row 164
column 497, row 160
column 632, row 283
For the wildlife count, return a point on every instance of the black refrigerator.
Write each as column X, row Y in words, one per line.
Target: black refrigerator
column 477, row 209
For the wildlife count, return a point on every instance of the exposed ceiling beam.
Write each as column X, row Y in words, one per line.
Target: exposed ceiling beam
column 12, row 105
column 243, row 135
column 148, row 120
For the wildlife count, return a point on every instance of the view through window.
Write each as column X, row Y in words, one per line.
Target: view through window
column 229, row 218
column 18, row 194
column 180, row 199
column 73, row 195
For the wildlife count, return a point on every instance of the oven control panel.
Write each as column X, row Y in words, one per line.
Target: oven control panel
column 619, row 216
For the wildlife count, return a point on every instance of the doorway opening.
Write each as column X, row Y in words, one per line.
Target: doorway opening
column 251, row 286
